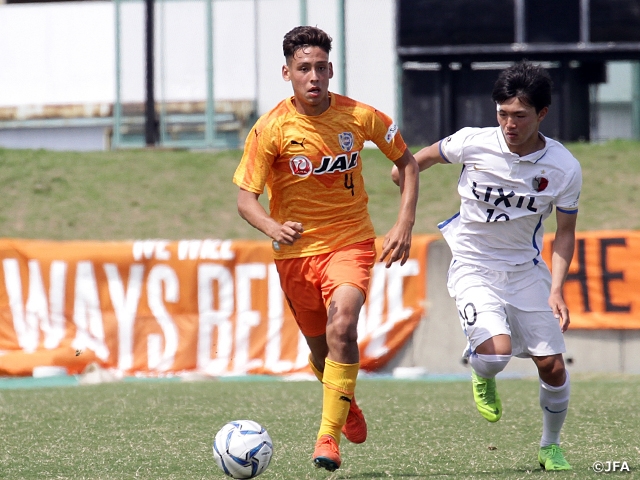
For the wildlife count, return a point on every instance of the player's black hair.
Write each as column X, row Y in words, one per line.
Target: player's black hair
column 529, row 83
column 305, row 36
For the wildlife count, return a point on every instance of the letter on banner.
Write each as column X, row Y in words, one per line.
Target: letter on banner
column 148, row 249
column 276, row 320
column 396, row 310
column 371, row 314
column 158, row 276
column 58, row 280
column 38, row 314
column 27, row 334
column 87, row 314
column 125, row 307
column 246, row 318
column 210, row 318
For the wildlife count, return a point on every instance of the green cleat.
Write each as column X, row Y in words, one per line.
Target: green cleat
column 486, row 397
column 551, row 457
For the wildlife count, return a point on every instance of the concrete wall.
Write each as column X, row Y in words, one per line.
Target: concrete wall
column 438, row 342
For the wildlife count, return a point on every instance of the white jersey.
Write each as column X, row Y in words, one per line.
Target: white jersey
column 505, row 198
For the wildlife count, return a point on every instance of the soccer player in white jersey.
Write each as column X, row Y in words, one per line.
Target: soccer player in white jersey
column 508, row 301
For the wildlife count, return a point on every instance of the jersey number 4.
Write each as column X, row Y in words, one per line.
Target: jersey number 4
column 348, row 182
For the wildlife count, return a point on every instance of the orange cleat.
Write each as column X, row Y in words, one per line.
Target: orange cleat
column 355, row 430
column 327, row 453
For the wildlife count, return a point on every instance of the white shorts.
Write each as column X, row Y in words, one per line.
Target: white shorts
column 494, row 303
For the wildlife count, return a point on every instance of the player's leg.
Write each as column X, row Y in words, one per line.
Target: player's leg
column 555, row 390
column 536, row 333
column 346, row 274
column 355, row 428
column 340, row 374
column 484, row 322
column 487, row 360
column 300, row 285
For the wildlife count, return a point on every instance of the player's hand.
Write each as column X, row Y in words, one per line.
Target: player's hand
column 397, row 244
column 288, row 233
column 395, row 175
column 560, row 310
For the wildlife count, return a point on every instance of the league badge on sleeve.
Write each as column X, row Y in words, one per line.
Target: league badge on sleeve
column 346, row 141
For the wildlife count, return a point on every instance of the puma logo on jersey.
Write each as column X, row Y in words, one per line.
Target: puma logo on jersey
column 295, row 142
column 341, row 163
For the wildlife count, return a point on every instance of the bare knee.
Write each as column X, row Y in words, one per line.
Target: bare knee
column 342, row 330
column 497, row 345
column 551, row 369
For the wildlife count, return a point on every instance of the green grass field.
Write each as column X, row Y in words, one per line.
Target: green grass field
column 417, row 429
column 164, row 429
column 136, row 194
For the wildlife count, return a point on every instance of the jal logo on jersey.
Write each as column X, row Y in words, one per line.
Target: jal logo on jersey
column 300, row 166
column 346, row 141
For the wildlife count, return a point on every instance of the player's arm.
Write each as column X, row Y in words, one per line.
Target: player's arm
column 426, row 157
column 397, row 243
column 254, row 213
column 563, row 247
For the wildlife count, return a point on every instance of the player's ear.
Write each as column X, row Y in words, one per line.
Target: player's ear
column 543, row 113
column 330, row 70
column 285, row 73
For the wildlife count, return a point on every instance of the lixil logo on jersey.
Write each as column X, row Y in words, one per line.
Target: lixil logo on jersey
column 300, row 166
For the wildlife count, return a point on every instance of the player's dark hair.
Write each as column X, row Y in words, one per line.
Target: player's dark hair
column 529, row 83
column 305, row 36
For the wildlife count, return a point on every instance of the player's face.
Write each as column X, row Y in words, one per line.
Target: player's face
column 520, row 123
column 309, row 72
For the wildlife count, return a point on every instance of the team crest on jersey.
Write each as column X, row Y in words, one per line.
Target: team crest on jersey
column 300, row 166
column 346, row 141
column 540, row 183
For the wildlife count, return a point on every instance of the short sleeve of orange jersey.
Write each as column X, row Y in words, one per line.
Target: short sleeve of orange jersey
column 260, row 151
column 312, row 167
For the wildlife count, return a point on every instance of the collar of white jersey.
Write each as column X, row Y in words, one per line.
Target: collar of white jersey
column 532, row 157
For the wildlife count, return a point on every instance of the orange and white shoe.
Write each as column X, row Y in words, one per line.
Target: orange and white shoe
column 355, row 430
column 327, row 453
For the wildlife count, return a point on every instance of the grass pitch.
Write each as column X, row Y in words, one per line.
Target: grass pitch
column 137, row 194
column 417, row 429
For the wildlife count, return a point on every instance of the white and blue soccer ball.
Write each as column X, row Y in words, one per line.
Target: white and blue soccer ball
column 242, row 449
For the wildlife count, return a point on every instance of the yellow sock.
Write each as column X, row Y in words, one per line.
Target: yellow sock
column 339, row 384
column 315, row 371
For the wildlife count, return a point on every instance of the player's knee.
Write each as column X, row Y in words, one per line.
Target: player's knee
column 488, row 366
column 551, row 369
column 342, row 329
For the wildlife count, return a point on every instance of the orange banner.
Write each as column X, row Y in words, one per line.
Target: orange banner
column 603, row 286
column 157, row 307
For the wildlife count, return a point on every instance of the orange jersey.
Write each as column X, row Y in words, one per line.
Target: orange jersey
column 312, row 168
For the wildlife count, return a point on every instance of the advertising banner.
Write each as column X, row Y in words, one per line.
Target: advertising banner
column 157, row 306
column 602, row 289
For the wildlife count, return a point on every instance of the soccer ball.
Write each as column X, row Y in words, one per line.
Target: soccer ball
column 242, row 449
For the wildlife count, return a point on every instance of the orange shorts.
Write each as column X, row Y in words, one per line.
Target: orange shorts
column 309, row 282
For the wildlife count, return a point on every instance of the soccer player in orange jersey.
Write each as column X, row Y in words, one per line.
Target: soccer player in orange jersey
column 307, row 151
